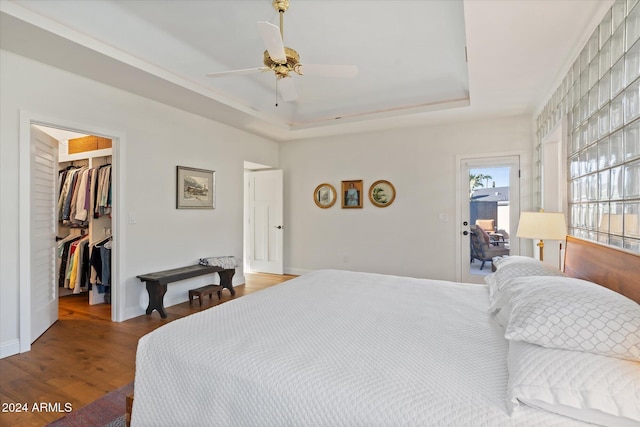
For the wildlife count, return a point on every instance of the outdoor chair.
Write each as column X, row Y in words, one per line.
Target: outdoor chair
column 483, row 248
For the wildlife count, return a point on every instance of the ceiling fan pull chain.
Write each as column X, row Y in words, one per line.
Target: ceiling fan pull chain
column 277, row 91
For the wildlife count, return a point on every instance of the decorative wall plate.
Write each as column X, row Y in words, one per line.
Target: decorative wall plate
column 382, row 193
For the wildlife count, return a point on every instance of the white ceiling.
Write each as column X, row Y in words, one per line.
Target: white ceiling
column 413, row 68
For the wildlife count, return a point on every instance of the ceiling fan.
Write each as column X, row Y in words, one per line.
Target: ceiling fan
column 284, row 61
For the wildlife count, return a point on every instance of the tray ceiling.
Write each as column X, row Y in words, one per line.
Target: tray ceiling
column 418, row 61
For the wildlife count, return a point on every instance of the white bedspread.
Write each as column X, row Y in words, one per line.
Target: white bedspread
column 333, row 348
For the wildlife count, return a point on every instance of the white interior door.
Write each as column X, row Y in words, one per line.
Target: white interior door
column 44, row 170
column 502, row 200
column 265, row 221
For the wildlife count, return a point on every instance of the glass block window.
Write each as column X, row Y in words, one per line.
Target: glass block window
column 600, row 97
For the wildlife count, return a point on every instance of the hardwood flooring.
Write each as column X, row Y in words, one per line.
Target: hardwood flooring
column 84, row 355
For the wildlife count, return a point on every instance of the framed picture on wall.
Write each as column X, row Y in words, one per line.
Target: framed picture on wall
column 382, row 193
column 324, row 195
column 195, row 188
column 352, row 194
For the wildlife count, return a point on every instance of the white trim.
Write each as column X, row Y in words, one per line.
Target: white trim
column 9, row 348
column 78, row 156
column 24, row 232
column 118, row 232
column 559, row 134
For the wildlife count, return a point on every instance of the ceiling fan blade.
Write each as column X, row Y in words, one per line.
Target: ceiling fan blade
column 287, row 89
column 238, row 72
column 322, row 70
column 273, row 41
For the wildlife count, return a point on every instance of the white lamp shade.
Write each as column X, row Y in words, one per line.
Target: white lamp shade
column 542, row 225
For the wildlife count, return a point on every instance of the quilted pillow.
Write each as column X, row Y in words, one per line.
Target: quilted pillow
column 573, row 314
column 588, row 387
column 514, row 259
column 509, row 269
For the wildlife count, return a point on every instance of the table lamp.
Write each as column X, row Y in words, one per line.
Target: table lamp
column 543, row 226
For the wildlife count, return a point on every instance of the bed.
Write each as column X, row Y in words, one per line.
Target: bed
column 342, row 348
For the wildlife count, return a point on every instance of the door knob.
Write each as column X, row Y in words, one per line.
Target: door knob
column 465, row 232
column 279, row 227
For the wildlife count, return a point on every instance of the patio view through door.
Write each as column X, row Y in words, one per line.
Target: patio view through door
column 489, row 210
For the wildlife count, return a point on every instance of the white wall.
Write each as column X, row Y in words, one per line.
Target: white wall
column 157, row 139
column 407, row 237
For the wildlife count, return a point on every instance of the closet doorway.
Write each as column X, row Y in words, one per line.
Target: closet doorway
column 40, row 230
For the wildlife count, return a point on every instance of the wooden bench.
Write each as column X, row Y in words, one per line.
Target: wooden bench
column 157, row 282
column 205, row 290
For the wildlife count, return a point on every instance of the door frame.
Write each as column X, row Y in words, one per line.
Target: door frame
column 462, row 199
column 24, row 229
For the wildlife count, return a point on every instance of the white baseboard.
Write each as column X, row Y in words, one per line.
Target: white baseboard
column 132, row 312
column 9, row 348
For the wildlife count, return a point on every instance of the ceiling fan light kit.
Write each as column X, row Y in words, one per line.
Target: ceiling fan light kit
column 283, row 60
column 282, row 69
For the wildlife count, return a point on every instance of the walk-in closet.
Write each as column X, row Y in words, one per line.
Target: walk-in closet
column 84, row 213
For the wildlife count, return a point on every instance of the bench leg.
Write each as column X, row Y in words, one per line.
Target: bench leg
column 226, row 279
column 156, row 293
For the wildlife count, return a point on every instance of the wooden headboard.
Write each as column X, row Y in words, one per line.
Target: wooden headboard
column 613, row 268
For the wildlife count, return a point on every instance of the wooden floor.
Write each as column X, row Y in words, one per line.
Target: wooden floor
column 84, row 355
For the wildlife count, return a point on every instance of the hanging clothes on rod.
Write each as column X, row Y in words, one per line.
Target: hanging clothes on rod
column 77, row 270
column 101, row 265
column 72, row 272
column 74, row 200
column 67, row 188
column 102, row 192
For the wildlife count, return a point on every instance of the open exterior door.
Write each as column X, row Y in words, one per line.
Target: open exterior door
column 498, row 206
column 265, row 221
column 43, row 224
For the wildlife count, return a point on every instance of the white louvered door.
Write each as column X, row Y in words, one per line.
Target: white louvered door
column 44, row 170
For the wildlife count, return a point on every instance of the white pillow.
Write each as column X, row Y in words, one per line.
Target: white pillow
column 523, row 269
column 573, row 314
column 513, row 259
column 588, row 387
column 513, row 267
column 503, row 314
column 490, row 280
